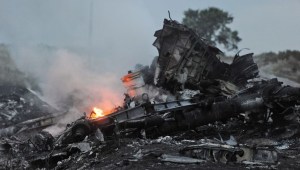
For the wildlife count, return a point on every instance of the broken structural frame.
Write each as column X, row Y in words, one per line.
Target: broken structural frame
column 185, row 59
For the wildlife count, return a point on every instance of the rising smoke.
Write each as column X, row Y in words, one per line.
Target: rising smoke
column 50, row 41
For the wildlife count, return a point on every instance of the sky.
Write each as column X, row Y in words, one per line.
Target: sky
column 122, row 31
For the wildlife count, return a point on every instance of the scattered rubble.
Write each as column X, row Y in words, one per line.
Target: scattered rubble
column 19, row 104
column 193, row 112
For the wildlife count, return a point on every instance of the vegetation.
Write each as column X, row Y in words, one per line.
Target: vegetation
column 283, row 64
column 212, row 25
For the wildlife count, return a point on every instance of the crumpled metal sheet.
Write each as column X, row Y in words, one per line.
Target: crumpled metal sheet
column 180, row 159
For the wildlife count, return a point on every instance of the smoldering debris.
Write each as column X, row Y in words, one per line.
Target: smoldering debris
column 187, row 110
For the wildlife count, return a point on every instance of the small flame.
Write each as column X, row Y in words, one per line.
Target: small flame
column 96, row 113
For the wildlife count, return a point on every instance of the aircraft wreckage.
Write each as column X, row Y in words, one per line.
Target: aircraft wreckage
column 193, row 89
column 186, row 62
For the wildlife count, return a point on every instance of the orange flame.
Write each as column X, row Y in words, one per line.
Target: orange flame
column 96, row 113
column 102, row 101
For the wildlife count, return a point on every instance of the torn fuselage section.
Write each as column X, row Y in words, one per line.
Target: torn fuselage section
column 185, row 60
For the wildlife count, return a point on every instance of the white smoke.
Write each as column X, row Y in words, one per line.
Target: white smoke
column 69, row 76
column 74, row 88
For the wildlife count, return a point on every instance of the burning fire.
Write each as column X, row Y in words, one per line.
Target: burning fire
column 102, row 102
column 96, row 113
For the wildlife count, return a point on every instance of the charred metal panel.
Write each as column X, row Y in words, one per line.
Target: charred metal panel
column 242, row 69
column 133, row 82
column 181, row 49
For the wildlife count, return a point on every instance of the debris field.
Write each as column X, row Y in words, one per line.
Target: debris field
column 187, row 110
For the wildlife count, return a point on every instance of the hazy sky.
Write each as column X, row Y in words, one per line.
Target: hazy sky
column 125, row 28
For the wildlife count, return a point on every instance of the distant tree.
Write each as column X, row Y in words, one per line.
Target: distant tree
column 211, row 24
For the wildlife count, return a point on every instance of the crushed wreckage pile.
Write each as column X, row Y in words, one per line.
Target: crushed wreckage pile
column 188, row 110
